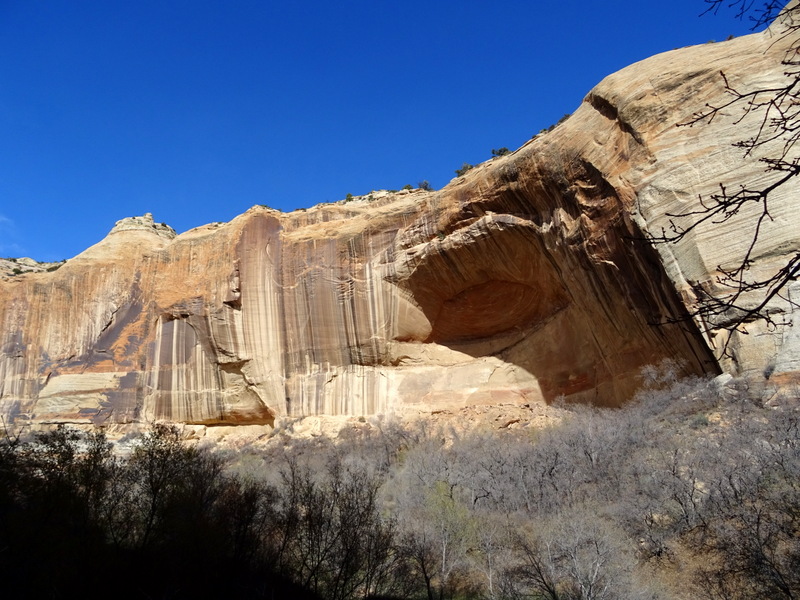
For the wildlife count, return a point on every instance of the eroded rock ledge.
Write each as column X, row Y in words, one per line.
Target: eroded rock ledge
column 526, row 280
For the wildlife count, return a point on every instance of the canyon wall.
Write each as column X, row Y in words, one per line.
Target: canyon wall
column 526, row 280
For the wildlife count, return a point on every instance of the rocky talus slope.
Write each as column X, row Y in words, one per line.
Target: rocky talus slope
column 528, row 279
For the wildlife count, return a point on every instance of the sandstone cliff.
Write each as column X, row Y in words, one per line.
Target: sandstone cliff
column 527, row 279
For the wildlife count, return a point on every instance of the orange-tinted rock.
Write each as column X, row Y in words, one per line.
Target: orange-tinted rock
column 525, row 280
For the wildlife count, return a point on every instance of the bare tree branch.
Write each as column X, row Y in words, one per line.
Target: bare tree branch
column 751, row 296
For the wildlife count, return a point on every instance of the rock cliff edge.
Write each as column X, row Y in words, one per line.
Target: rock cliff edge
column 528, row 279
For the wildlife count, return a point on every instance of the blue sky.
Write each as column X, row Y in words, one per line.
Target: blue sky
column 195, row 111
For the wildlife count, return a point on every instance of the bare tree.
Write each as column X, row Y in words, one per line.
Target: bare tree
column 329, row 534
column 753, row 512
column 750, row 295
column 576, row 555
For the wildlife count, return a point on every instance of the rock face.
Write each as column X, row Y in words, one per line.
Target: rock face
column 527, row 279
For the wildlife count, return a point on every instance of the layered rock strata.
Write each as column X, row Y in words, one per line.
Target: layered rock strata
column 528, row 279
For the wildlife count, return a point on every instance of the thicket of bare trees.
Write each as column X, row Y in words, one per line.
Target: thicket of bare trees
column 691, row 492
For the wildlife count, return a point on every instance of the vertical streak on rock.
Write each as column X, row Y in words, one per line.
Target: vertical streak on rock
column 226, row 327
column 349, row 298
column 152, row 377
column 259, row 253
column 336, row 325
column 15, row 387
column 183, row 379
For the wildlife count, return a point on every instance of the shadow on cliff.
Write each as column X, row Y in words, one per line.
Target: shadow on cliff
column 581, row 312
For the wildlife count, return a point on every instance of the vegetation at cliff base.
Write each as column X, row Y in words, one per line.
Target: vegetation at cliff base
column 692, row 491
